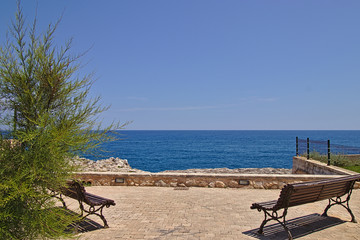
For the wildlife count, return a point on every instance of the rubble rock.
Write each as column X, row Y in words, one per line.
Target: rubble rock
column 105, row 165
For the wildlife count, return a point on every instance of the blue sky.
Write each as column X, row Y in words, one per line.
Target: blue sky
column 206, row 64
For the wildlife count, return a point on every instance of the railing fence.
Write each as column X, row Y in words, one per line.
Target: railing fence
column 305, row 146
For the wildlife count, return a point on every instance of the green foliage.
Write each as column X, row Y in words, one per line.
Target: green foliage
column 27, row 209
column 351, row 162
column 49, row 115
column 353, row 168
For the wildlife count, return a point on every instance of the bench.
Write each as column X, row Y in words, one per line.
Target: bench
column 95, row 203
column 336, row 190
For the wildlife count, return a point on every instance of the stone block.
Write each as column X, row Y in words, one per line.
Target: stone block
column 161, row 183
column 233, row 184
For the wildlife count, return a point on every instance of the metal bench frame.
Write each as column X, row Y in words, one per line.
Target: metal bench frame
column 95, row 203
column 337, row 191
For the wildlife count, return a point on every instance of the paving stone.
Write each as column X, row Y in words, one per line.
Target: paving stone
column 211, row 213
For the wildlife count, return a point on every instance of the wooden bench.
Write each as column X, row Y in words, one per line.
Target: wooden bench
column 95, row 203
column 336, row 190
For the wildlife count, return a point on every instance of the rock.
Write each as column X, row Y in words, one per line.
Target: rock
column 217, row 184
column 220, row 184
column 233, row 184
column 147, row 183
column 270, row 185
column 202, row 184
column 257, row 185
column 161, row 183
column 190, row 183
column 105, row 165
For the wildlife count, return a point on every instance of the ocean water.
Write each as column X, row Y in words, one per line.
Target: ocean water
column 156, row 151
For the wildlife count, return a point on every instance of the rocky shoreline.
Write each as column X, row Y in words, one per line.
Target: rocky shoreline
column 121, row 165
column 235, row 171
column 105, row 165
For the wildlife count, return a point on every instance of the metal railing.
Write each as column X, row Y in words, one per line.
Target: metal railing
column 306, row 146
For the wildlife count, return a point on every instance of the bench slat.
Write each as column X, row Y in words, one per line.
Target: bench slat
column 311, row 198
column 337, row 187
column 355, row 177
column 265, row 205
column 319, row 186
column 76, row 191
column 317, row 193
column 320, row 193
column 95, row 200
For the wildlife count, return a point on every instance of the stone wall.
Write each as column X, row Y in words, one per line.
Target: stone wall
column 184, row 180
column 303, row 170
column 301, row 165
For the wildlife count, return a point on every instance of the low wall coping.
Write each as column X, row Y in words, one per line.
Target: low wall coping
column 231, row 175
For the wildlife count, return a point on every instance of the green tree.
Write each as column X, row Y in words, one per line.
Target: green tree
column 51, row 118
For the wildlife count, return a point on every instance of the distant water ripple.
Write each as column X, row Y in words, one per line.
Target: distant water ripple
column 156, row 151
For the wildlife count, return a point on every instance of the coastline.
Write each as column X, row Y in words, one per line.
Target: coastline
column 121, row 165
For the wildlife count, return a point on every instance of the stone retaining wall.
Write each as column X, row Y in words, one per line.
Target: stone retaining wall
column 184, row 180
column 301, row 165
column 303, row 170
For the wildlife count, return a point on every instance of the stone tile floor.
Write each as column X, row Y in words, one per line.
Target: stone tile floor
column 211, row 213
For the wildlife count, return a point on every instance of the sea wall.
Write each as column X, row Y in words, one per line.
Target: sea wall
column 301, row 165
column 117, row 172
column 185, row 180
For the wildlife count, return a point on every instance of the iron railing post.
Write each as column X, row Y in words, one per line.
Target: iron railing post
column 297, row 146
column 308, row 148
column 328, row 163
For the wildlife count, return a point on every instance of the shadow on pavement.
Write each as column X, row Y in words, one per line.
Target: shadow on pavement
column 86, row 225
column 299, row 227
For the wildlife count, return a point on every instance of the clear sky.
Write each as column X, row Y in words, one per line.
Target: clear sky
column 205, row 64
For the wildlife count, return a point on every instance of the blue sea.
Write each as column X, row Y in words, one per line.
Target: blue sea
column 156, row 151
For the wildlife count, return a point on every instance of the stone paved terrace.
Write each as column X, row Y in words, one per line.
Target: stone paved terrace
column 211, row 213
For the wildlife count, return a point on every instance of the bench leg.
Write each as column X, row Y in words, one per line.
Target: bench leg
column 63, row 202
column 103, row 218
column 59, row 197
column 338, row 201
column 344, row 203
column 274, row 216
column 93, row 210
